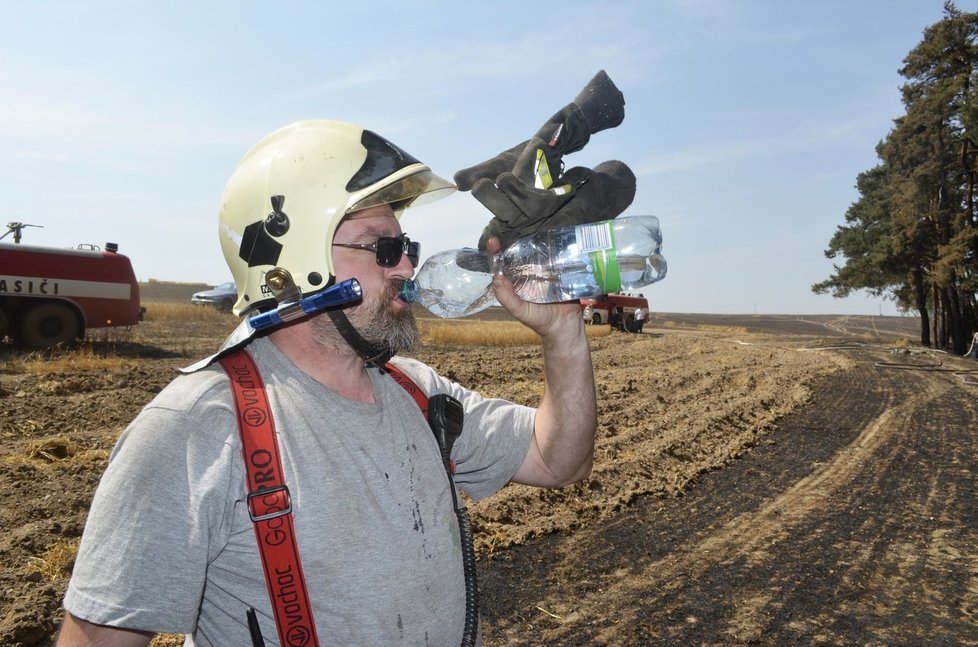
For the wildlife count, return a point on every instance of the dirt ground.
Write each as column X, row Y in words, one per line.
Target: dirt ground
column 758, row 480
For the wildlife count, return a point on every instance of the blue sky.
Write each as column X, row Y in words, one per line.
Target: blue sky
column 746, row 121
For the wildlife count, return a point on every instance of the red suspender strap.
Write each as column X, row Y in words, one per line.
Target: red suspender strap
column 269, row 504
column 408, row 384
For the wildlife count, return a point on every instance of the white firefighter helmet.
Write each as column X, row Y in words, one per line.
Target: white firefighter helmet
column 289, row 193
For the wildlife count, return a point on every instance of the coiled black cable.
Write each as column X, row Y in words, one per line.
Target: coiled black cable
column 445, row 418
column 471, row 631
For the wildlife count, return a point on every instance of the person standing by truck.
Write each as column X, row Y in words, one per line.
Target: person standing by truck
column 615, row 318
column 639, row 320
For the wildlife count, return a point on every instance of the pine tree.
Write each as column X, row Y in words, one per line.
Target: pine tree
column 913, row 233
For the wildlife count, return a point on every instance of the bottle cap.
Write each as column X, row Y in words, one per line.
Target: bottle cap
column 409, row 291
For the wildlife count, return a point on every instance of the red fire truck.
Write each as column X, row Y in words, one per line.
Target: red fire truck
column 50, row 296
column 618, row 309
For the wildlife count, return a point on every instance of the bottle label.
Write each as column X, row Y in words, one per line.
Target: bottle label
column 597, row 240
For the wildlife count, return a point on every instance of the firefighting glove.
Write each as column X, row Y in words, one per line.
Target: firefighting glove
column 526, row 187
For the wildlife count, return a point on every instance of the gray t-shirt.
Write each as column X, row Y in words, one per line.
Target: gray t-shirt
column 169, row 546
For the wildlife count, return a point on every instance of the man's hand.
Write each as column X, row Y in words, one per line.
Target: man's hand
column 553, row 321
column 541, row 318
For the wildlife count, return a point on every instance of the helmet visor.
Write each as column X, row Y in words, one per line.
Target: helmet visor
column 417, row 188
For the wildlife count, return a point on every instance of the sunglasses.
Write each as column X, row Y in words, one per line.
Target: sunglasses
column 389, row 249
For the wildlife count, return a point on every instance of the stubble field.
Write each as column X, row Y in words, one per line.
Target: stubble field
column 758, row 480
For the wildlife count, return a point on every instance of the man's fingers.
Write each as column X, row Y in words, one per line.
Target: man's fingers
column 493, row 246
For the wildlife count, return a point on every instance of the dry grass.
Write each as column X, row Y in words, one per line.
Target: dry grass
column 734, row 330
column 88, row 356
column 173, row 311
column 466, row 332
column 51, row 450
column 57, row 449
column 57, row 561
column 597, row 331
column 483, row 333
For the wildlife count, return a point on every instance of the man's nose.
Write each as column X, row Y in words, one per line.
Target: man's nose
column 404, row 269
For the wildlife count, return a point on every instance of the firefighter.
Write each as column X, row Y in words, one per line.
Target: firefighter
column 171, row 543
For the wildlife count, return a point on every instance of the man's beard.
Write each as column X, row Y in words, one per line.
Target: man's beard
column 377, row 322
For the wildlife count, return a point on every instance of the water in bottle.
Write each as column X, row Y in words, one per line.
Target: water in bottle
column 545, row 267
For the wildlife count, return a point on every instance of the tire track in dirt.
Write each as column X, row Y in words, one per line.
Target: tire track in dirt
column 752, row 535
column 874, row 545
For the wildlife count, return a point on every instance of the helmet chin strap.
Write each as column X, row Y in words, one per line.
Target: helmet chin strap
column 373, row 354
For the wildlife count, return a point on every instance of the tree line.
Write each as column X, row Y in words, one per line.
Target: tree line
column 912, row 235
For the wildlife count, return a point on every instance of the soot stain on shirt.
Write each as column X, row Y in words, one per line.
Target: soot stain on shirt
column 418, row 521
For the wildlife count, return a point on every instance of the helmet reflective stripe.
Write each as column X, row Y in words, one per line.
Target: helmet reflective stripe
column 323, row 170
column 383, row 158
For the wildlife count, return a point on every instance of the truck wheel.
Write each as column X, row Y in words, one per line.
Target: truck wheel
column 47, row 325
column 596, row 319
column 3, row 325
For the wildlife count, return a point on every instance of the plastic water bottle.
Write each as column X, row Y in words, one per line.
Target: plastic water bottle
column 546, row 267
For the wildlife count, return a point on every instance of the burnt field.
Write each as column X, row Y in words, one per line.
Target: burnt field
column 758, row 480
